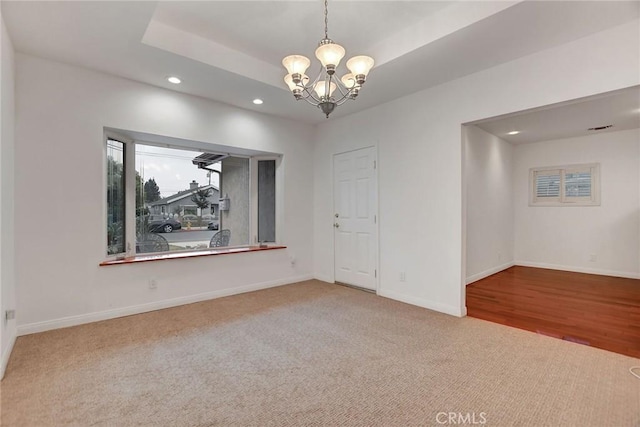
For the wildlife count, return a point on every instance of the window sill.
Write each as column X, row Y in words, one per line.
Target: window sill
column 188, row 254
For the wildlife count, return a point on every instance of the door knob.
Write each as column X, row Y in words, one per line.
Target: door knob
column 336, row 225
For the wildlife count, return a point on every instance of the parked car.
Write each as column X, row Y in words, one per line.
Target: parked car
column 189, row 217
column 208, row 217
column 163, row 225
column 213, row 225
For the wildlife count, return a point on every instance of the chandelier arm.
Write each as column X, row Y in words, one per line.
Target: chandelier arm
column 309, row 89
column 329, row 78
column 311, row 102
column 310, row 95
column 343, row 99
column 342, row 88
column 339, row 86
column 320, row 74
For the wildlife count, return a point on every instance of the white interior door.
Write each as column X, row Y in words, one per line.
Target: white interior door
column 355, row 204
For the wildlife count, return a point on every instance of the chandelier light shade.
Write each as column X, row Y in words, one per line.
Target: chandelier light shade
column 360, row 65
column 288, row 79
column 327, row 91
column 330, row 55
column 348, row 80
column 321, row 88
column 296, row 64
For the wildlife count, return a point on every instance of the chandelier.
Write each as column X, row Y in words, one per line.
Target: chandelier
column 326, row 91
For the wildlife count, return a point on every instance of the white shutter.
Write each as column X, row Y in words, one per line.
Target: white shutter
column 575, row 185
column 547, row 185
column 578, row 185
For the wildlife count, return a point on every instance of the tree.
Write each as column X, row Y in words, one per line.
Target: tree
column 115, row 190
column 200, row 198
column 151, row 191
column 115, row 206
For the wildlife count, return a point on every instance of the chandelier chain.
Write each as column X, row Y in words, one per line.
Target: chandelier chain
column 326, row 19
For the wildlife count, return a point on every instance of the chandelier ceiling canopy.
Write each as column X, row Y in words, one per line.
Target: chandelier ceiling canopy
column 326, row 91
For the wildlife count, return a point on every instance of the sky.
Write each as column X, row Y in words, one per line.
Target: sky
column 172, row 169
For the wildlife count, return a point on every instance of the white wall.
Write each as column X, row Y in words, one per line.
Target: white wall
column 566, row 237
column 7, row 145
column 419, row 145
column 488, row 168
column 60, row 207
column 235, row 185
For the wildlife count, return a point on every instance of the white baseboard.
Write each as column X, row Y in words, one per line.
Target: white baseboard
column 6, row 355
column 421, row 302
column 323, row 278
column 625, row 274
column 65, row 322
column 489, row 272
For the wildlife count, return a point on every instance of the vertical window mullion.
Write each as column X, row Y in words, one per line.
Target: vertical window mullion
column 267, row 208
column 115, row 195
column 253, row 200
column 130, row 202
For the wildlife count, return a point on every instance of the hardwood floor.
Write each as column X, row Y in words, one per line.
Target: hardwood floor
column 600, row 311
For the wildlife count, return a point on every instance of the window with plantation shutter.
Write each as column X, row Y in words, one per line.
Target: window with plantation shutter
column 574, row 185
column 547, row 185
column 577, row 184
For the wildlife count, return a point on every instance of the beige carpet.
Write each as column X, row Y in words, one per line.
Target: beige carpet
column 311, row 354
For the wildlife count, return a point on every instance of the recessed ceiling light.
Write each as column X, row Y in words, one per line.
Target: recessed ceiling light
column 174, row 80
column 258, row 101
column 514, row 132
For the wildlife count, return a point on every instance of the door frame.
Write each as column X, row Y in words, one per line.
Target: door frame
column 376, row 210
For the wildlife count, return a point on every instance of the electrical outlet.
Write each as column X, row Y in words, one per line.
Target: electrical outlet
column 499, row 256
column 403, row 276
column 593, row 258
column 9, row 314
column 153, row 283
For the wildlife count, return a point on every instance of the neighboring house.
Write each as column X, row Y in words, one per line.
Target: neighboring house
column 181, row 203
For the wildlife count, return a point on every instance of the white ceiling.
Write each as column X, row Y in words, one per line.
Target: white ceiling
column 302, row 23
column 621, row 109
column 230, row 51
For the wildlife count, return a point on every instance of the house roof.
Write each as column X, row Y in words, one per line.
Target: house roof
column 182, row 195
